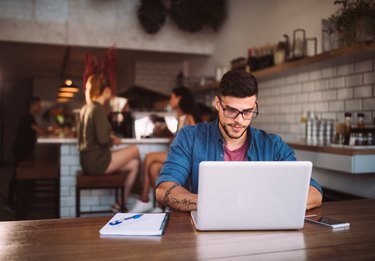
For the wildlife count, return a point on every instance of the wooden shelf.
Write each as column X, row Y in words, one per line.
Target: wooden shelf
column 358, row 51
column 339, row 55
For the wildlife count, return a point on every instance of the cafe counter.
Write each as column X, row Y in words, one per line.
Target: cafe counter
column 69, row 165
column 346, row 169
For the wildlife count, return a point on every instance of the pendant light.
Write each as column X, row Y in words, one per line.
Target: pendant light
column 67, row 88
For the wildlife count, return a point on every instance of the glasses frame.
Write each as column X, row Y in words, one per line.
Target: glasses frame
column 253, row 117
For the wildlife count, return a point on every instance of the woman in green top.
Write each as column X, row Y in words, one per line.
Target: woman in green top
column 95, row 138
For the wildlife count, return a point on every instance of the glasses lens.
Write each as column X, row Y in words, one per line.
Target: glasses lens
column 233, row 113
column 249, row 115
column 230, row 113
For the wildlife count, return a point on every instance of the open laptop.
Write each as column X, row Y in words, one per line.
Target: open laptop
column 245, row 195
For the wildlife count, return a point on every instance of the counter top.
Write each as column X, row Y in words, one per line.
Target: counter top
column 125, row 141
column 334, row 149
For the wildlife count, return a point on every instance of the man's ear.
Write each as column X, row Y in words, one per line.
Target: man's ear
column 217, row 103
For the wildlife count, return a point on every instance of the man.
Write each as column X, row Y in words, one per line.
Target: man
column 28, row 131
column 228, row 138
column 27, row 134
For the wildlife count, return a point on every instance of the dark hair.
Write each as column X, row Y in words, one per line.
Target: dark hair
column 187, row 102
column 34, row 100
column 238, row 84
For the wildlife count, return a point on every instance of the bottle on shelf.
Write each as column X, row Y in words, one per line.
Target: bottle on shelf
column 360, row 120
column 370, row 139
column 348, row 127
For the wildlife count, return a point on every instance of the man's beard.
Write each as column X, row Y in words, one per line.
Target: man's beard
column 226, row 130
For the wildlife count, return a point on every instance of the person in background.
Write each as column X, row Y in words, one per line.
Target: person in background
column 23, row 147
column 122, row 122
column 28, row 131
column 230, row 138
column 161, row 129
column 183, row 103
column 95, row 139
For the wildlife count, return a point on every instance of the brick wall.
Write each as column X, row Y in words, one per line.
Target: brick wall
column 157, row 76
column 328, row 90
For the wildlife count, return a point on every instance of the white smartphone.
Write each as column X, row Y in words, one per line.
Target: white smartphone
column 333, row 223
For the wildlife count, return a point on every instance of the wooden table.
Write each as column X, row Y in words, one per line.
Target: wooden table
column 79, row 239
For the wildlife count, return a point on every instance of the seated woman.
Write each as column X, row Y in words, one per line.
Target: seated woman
column 183, row 103
column 95, row 139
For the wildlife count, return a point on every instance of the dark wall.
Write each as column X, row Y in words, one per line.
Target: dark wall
column 1, row 121
column 15, row 92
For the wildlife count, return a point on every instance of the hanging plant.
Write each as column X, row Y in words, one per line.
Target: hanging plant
column 355, row 21
column 214, row 13
column 152, row 15
column 187, row 15
column 193, row 15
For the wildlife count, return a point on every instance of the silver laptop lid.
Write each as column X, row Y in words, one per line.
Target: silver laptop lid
column 252, row 195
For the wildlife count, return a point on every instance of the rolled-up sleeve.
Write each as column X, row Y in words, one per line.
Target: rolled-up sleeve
column 177, row 166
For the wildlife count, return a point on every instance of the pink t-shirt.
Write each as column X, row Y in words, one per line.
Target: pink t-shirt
column 238, row 154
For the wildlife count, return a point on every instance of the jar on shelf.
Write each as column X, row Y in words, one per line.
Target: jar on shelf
column 348, row 126
column 370, row 138
column 360, row 120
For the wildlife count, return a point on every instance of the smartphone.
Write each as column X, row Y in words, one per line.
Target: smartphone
column 333, row 223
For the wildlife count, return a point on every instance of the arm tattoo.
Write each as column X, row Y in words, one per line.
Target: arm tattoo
column 166, row 196
column 172, row 202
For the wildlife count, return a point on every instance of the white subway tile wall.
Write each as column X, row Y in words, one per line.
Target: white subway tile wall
column 329, row 91
column 91, row 200
column 157, row 76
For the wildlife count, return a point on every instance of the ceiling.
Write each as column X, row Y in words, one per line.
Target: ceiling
column 46, row 60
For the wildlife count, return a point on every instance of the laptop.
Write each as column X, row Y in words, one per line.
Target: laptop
column 246, row 195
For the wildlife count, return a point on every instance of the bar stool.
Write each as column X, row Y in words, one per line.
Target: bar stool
column 87, row 182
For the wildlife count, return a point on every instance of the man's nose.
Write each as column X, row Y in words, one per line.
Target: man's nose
column 239, row 118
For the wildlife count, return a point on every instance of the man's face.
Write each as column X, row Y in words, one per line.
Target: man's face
column 36, row 108
column 234, row 128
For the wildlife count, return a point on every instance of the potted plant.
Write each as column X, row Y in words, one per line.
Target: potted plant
column 355, row 21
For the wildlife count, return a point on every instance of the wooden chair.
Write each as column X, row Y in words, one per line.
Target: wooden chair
column 87, row 182
column 38, row 184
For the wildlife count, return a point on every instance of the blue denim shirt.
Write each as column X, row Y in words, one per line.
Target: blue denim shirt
column 204, row 142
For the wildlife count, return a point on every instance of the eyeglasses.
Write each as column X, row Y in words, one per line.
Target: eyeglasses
column 233, row 113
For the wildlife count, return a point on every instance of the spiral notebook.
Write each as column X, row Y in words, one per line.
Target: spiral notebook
column 134, row 224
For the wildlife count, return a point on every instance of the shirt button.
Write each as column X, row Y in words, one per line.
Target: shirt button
column 221, row 155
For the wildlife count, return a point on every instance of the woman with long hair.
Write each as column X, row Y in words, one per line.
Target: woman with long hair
column 95, row 139
column 187, row 112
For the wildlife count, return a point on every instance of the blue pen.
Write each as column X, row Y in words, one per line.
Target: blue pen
column 119, row 221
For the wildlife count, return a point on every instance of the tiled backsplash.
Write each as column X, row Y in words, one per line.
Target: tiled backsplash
column 328, row 91
column 158, row 76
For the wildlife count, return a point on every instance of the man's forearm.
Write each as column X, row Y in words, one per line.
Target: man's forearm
column 314, row 198
column 176, row 197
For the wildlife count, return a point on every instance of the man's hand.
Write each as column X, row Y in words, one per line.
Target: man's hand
column 314, row 198
column 176, row 197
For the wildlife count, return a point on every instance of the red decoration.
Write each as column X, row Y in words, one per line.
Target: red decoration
column 105, row 67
